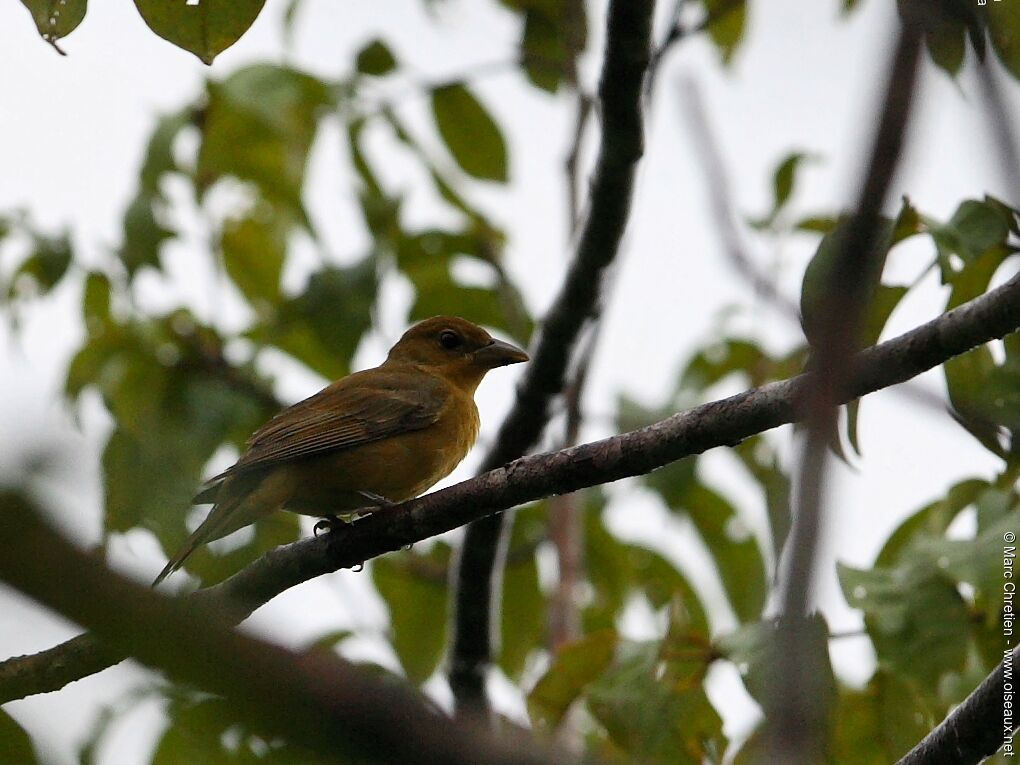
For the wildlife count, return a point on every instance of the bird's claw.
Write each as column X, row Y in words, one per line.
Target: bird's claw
column 325, row 525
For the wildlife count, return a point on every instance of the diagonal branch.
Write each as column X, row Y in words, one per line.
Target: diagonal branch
column 628, row 41
column 976, row 729
column 718, row 423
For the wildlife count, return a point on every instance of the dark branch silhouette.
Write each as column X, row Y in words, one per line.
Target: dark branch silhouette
column 628, row 38
column 314, row 698
column 719, row 423
column 973, row 731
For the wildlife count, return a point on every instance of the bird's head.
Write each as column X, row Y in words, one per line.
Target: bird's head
column 455, row 349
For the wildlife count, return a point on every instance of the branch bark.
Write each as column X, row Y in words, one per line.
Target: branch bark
column 970, row 733
column 628, row 42
column 718, row 423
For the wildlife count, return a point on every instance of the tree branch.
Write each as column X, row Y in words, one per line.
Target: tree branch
column 628, row 42
column 797, row 706
column 315, row 699
column 973, row 731
column 718, row 423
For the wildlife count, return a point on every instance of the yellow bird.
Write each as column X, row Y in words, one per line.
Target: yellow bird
column 374, row 437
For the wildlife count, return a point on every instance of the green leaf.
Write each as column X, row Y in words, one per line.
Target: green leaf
column 159, row 154
column 974, row 229
column 543, row 53
column 733, row 548
column 56, row 18
column 414, row 586
column 736, row 356
column 817, row 224
column 752, row 649
column 331, row 640
column 555, row 34
column 785, row 176
column 209, row 731
column 726, row 27
column 470, row 133
column 573, row 667
column 95, row 301
column 322, row 326
column 523, row 606
column 618, row 570
column 143, row 230
column 427, row 259
column 1004, row 31
column 15, row 744
column 375, row 59
column 649, row 713
column 915, row 616
column 819, row 273
column 194, row 735
column 978, row 562
column 164, row 384
column 932, row 520
column 946, row 26
column 879, row 724
column 143, row 235
column 983, row 394
column 253, row 254
column 206, row 29
column 258, row 127
column 947, row 44
column 46, row 264
column 883, row 303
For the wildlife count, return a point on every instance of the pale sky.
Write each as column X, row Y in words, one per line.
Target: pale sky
column 73, row 132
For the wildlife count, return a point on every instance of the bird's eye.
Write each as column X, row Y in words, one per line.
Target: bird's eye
column 450, row 339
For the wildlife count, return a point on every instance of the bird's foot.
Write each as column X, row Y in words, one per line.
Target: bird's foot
column 325, row 525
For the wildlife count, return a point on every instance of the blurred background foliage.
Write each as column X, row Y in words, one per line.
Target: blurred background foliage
column 180, row 389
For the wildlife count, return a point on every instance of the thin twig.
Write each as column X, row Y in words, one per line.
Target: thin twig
column 678, row 32
column 722, row 207
column 566, row 526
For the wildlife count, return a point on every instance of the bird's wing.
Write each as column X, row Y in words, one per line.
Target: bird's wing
column 349, row 413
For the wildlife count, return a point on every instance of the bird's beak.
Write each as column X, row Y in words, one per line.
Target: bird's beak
column 498, row 354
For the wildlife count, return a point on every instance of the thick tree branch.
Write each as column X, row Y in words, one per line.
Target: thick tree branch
column 314, row 699
column 628, row 41
column 718, row 423
column 974, row 730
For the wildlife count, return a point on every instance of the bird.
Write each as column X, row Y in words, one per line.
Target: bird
column 373, row 438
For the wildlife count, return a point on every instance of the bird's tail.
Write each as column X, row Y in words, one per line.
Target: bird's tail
column 216, row 525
